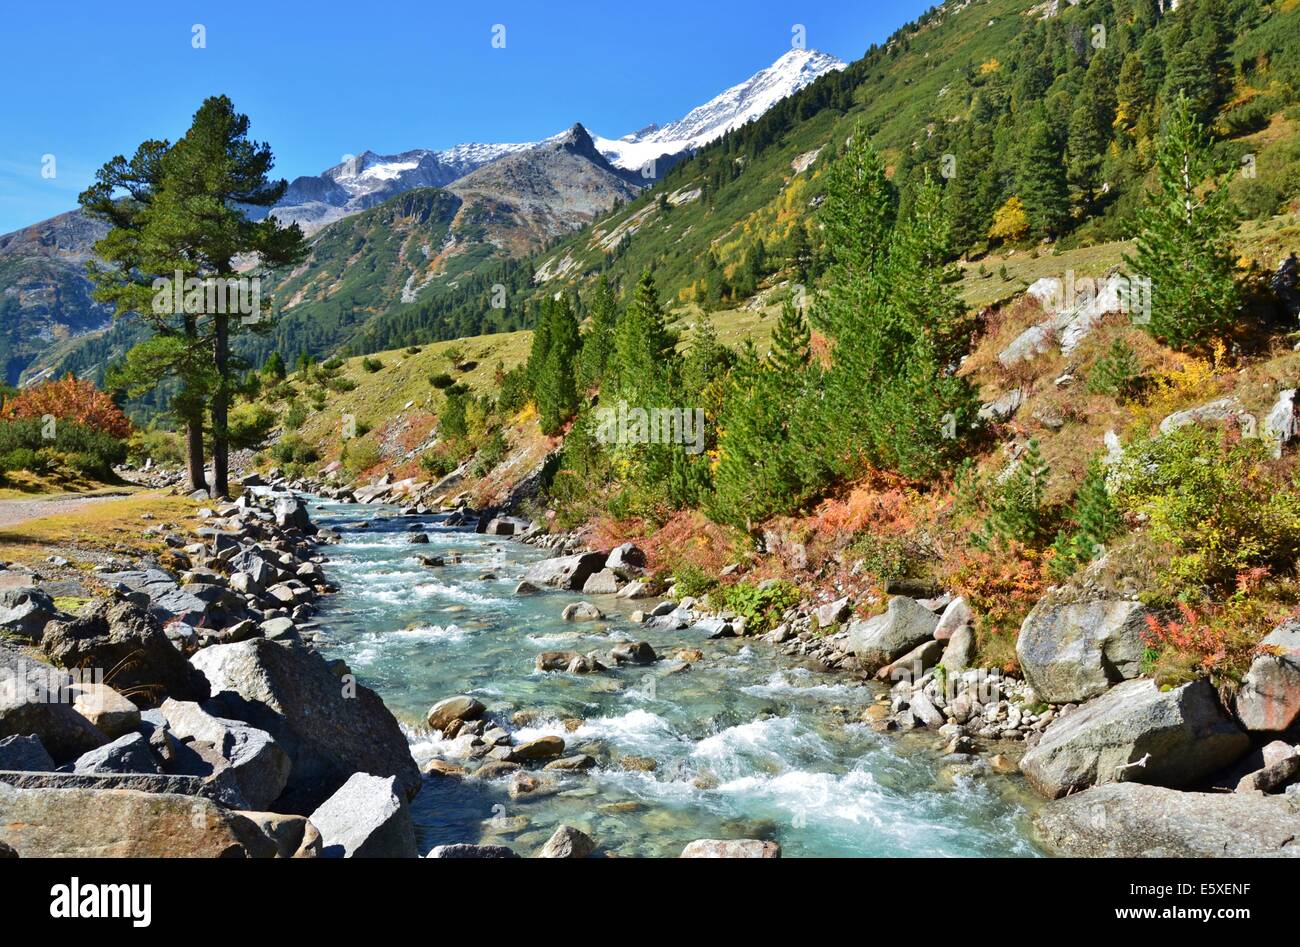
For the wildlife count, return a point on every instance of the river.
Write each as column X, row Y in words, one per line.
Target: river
column 745, row 744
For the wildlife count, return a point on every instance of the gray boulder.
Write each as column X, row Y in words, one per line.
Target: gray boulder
column 1073, row 652
column 904, row 625
column 63, row 732
column 220, row 788
column 289, row 511
column 24, row 753
column 26, row 612
column 1269, row 698
column 731, row 848
column 123, row 823
column 108, row 710
column 330, row 728
column 366, row 818
column 1136, row 733
column 465, row 850
column 626, row 556
column 261, row 767
column 604, row 582
column 960, row 650
column 566, row 572
column 128, row 754
column 1130, row 820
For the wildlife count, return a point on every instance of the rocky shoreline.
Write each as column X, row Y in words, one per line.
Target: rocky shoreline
column 213, row 699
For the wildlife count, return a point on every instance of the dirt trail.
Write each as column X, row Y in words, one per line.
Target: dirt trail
column 16, row 511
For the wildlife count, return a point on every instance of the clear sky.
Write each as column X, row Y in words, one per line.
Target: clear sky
column 90, row 79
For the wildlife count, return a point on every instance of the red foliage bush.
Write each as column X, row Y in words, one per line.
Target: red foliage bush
column 69, row 399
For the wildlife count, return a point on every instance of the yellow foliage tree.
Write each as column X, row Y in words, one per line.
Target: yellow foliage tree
column 1010, row 222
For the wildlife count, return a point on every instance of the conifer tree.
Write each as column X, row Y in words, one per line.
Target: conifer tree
column 556, row 393
column 598, row 340
column 1041, row 182
column 643, row 345
column 1184, row 240
column 1095, row 520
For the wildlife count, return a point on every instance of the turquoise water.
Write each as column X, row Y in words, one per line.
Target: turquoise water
column 745, row 744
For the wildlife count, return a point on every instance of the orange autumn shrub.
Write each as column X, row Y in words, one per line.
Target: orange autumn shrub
column 68, row 399
column 1000, row 586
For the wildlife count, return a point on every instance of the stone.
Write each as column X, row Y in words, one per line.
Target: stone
column 1268, row 700
column 525, row 588
column 924, row 710
column 1273, row 777
column 555, row 660
column 128, row 754
column 122, row 638
column 572, row 763
column 366, row 818
column 566, row 572
column 731, row 848
column 1280, row 425
column 465, row 850
column 581, row 611
column 1131, row 820
column 24, row 753
column 1213, row 411
column 1136, row 733
column 461, row 707
column 294, row 835
column 626, row 556
column 104, row 707
column 567, row 842
column 604, row 582
column 956, row 615
column 639, row 588
column 885, row 638
column 633, row 652
column 437, row 767
column 26, row 611
column 543, row 748
column 959, row 652
column 832, row 612
column 911, row 666
column 63, row 732
column 124, row 823
column 329, row 729
column 1072, row 652
column 290, row 512
column 261, row 766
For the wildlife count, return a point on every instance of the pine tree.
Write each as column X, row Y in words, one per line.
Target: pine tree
column 1016, row 513
column 598, row 340
column 1184, row 241
column 642, row 346
column 274, row 367
column 1115, row 372
column 557, row 396
column 1095, row 519
column 1041, row 182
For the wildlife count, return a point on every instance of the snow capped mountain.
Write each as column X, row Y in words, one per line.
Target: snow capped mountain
column 365, row 180
column 738, row 105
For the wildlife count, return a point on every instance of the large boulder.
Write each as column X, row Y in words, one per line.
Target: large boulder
column 290, row 512
column 121, row 638
column 366, row 818
column 124, row 823
column 128, row 754
column 1136, row 733
column 1269, row 698
column 26, row 612
column 449, row 709
column 104, row 707
column 331, row 728
column 567, row 842
column 566, row 572
column 24, row 754
column 1073, row 652
column 220, row 788
column 904, row 625
column 1130, row 820
column 467, row 850
column 260, row 765
column 63, row 732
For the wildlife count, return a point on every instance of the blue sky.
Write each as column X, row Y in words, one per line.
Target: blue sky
column 88, row 80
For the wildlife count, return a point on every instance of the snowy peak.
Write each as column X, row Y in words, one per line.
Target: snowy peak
column 735, row 107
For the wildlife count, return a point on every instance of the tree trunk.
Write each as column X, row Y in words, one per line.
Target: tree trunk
column 221, row 408
column 194, row 453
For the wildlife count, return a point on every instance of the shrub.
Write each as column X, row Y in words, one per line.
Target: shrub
column 249, row 425
column 166, row 448
column 295, row 417
column 762, row 606
column 371, row 365
column 359, row 456
column 294, row 450
column 1216, row 499
column 69, row 399
column 690, row 580
column 1116, row 372
column 441, row 380
column 490, row 454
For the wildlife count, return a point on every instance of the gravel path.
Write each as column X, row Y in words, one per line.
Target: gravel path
column 14, row 512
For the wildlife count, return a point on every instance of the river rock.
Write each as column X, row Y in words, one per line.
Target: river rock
column 604, row 582
column 731, row 848
column 566, row 572
column 120, row 637
column 884, row 638
column 960, row 649
column 366, row 817
column 956, row 615
column 526, row 588
column 108, row 710
column 330, row 729
column 124, row 823
column 581, row 611
column 465, row 850
column 1131, row 820
column 261, row 766
column 543, row 748
column 1071, row 652
column 26, row 611
column 128, row 754
column 461, row 707
column 633, row 652
column 1269, row 698
column 294, row 835
column 63, row 732
column 1274, row 777
column 832, row 612
column 911, row 666
column 1183, row 735
column 290, row 512
column 626, row 556
column 567, row 842
column 25, row 754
